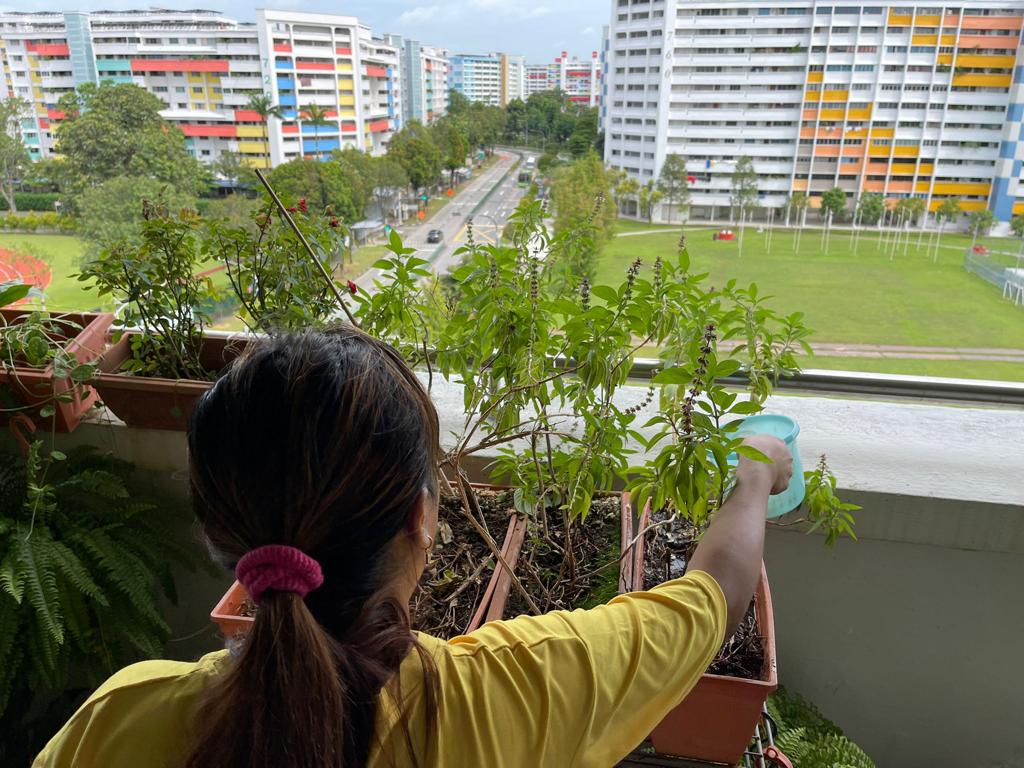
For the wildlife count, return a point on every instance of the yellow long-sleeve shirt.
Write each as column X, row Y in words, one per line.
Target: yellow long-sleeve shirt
column 578, row 688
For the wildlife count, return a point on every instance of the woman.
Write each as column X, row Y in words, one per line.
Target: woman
column 313, row 474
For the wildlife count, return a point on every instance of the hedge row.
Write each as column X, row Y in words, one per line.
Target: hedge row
column 32, row 221
column 32, row 201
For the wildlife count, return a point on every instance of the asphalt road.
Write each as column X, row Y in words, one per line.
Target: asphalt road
column 502, row 197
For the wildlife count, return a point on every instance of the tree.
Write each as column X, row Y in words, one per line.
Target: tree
column 584, row 135
column 624, row 187
column 1017, row 225
column 324, row 186
column 870, row 208
column 672, row 183
column 980, row 222
column 359, row 170
column 316, row 116
column 581, row 195
column 743, row 199
column 797, row 204
column 833, row 204
column 111, row 212
column 230, row 167
column 948, row 211
column 453, row 143
column 264, row 106
column 14, row 158
column 910, row 208
column 389, row 180
column 112, row 131
column 648, row 197
column 415, row 151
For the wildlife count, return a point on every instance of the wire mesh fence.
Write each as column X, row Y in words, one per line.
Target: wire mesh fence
column 1008, row 279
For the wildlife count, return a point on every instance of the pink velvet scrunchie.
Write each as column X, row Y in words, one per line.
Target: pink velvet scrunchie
column 279, row 567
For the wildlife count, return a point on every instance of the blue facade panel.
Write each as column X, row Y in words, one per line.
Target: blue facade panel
column 324, row 145
column 1007, row 150
column 1002, row 202
column 1015, row 112
column 285, row 83
column 287, row 100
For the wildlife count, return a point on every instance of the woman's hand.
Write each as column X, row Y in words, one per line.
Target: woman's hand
column 779, row 472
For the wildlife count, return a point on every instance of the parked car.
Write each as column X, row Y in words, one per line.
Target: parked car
column 435, row 236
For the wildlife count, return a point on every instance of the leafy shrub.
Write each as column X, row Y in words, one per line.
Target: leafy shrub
column 808, row 738
column 32, row 201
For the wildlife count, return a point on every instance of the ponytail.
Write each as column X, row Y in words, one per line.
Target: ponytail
column 319, row 445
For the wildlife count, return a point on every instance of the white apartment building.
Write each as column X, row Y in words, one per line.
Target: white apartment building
column 491, row 78
column 541, row 77
column 425, row 73
column 581, row 80
column 205, row 67
column 900, row 98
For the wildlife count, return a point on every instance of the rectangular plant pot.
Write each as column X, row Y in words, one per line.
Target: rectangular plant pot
column 492, row 604
column 717, row 719
column 155, row 403
column 37, row 387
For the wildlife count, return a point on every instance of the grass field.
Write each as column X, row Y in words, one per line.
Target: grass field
column 62, row 254
column 866, row 297
column 955, row 369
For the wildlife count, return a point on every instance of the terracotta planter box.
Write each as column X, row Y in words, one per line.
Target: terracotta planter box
column 492, row 605
column 717, row 719
column 37, row 387
column 154, row 403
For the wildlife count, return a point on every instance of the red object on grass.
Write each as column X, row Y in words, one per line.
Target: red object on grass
column 980, row 249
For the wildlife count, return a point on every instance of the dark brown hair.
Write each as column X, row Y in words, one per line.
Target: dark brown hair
column 324, row 442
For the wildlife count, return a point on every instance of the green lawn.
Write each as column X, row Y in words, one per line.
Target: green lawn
column 866, row 297
column 62, row 254
column 955, row 369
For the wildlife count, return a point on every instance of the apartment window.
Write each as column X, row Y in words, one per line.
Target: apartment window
column 864, row 68
column 895, row 49
column 861, row 86
column 179, row 89
column 839, row 68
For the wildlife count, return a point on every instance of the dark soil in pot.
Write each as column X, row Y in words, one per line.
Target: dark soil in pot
column 667, row 555
column 460, row 565
column 544, row 571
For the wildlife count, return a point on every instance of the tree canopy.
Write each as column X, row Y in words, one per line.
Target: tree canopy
column 833, row 202
column 111, row 131
column 414, row 149
column 326, row 187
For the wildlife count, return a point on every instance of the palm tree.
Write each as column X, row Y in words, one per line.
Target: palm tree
column 265, row 107
column 316, row 116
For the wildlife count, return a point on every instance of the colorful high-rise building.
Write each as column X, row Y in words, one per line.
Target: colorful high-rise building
column 425, row 70
column 206, row 67
column 580, row 79
column 541, row 77
column 921, row 100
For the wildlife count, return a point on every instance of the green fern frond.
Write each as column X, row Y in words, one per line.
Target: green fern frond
column 127, row 573
column 792, row 743
column 12, row 578
column 71, row 567
column 45, row 657
column 834, row 750
column 33, row 560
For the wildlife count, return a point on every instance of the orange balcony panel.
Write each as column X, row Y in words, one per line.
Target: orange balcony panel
column 54, row 114
column 986, row 62
column 905, row 151
column 878, row 169
column 372, row 71
column 283, row 47
column 900, row 186
column 211, row 131
column 812, row 96
column 343, row 51
column 799, row 185
column 810, row 114
column 290, row 128
column 248, row 116
column 873, row 186
column 987, row 41
column 179, row 65
column 859, row 114
column 836, row 96
column 315, row 65
column 986, row 81
column 924, row 39
column 826, row 150
column 991, row 22
column 815, row 77
column 883, row 133
column 379, row 125
column 47, row 49
column 857, row 150
column 950, row 20
column 927, row 21
column 897, row 20
column 806, row 133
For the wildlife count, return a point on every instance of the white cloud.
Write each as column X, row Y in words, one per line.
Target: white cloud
column 419, row 14
column 520, row 9
column 587, row 31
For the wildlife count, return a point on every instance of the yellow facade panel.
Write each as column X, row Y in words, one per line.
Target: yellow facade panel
column 970, row 206
column 945, row 59
column 251, row 132
column 831, row 114
column 812, row 96
column 905, row 151
column 836, row 96
column 985, row 62
column 961, row 188
column 347, row 101
column 1018, row 209
column 985, row 81
column 927, row 20
column 883, row 133
column 924, row 39
column 859, row 114
column 252, row 147
column 815, row 77
column 343, row 66
column 257, row 162
column 898, row 20
column 799, row 185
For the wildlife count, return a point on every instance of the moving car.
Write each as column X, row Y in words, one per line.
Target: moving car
column 435, row 236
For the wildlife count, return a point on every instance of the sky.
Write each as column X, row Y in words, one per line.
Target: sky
column 537, row 29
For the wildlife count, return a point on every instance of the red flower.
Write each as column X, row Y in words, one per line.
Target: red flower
column 293, row 209
column 353, row 288
column 334, row 223
column 303, row 206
